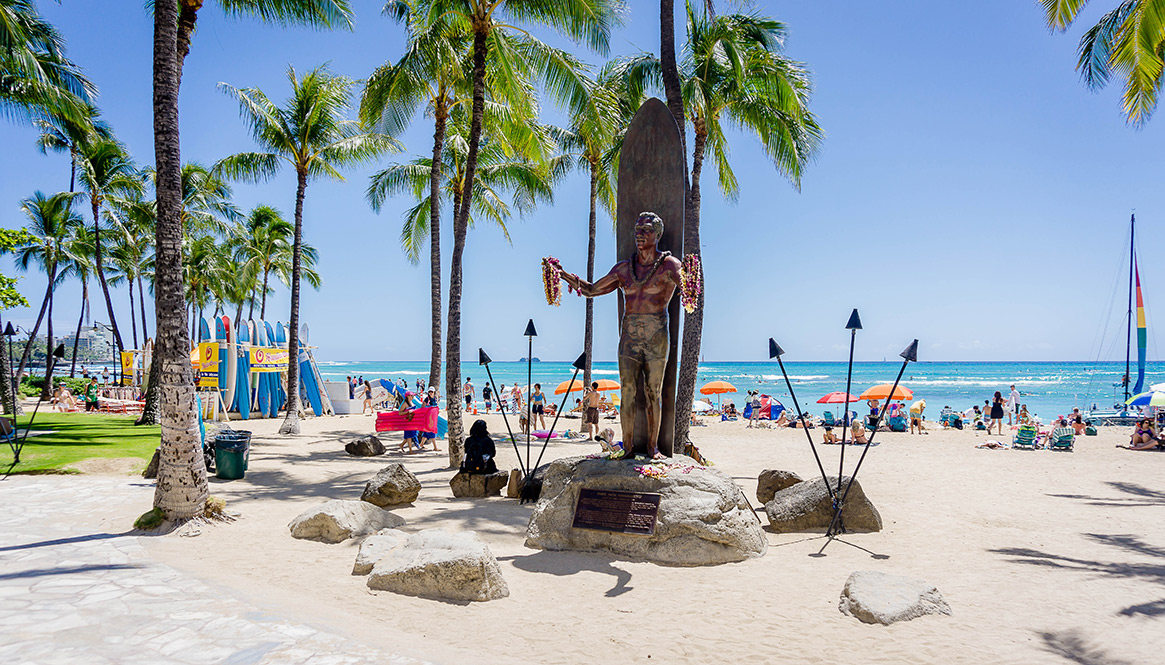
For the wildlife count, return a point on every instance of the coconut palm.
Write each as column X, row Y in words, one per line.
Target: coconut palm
column 582, row 20
column 312, row 133
column 62, row 134
column 50, row 222
column 80, row 266
column 106, row 170
column 1128, row 41
column 206, row 267
column 262, row 245
column 37, row 81
column 734, row 71
column 181, row 489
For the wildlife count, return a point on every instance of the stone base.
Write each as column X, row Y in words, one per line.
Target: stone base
column 479, row 484
column 807, row 506
column 703, row 518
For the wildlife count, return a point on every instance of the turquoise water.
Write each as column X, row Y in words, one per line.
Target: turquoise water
column 1048, row 388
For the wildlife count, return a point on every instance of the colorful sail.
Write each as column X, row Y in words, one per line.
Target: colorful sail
column 1142, row 335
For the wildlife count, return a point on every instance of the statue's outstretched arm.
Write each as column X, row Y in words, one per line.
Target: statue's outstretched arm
column 602, row 287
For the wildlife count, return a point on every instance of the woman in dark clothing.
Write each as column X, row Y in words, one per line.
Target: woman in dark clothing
column 479, row 450
column 996, row 413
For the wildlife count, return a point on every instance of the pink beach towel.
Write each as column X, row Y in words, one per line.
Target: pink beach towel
column 420, row 420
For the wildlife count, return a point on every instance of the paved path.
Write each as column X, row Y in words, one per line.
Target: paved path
column 76, row 588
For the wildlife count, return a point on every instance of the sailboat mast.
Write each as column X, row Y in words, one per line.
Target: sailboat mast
column 1129, row 328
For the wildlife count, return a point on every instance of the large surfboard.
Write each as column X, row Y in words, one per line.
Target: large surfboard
column 231, row 362
column 307, row 378
column 220, row 336
column 281, row 378
column 263, row 383
column 243, row 372
column 651, row 178
column 203, row 330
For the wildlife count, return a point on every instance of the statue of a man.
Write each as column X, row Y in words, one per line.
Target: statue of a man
column 648, row 279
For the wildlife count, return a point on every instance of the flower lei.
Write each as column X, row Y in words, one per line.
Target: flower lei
column 691, row 282
column 551, row 272
column 661, row 470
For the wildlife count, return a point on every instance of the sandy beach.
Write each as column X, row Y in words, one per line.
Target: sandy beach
column 1043, row 556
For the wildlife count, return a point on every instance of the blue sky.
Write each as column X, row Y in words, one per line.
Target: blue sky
column 970, row 192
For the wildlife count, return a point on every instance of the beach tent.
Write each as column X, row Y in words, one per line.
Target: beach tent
column 770, row 409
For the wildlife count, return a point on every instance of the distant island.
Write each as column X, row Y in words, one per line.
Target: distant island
column 534, row 360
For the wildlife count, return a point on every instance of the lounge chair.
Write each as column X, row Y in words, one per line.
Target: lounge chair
column 1062, row 438
column 897, row 423
column 1025, row 437
column 828, row 420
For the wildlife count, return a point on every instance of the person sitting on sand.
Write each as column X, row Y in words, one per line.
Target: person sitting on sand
column 858, row 432
column 1144, row 437
column 783, row 420
column 479, row 450
column 1025, row 418
column 1078, row 425
column 829, row 437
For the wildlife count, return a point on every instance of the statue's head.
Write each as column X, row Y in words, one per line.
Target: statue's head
column 648, row 230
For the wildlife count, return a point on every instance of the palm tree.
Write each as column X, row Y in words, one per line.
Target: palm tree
column 312, row 134
column 50, row 222
column 582, row 20
column 431, row 75
column 62, row 134
column 181, row 489
column 206, row 267
column 106, row 170
column 734, row 71
column 80, row 251
column 592, row 140
column 262, row 244
column 37, row 81
column 1128, row 41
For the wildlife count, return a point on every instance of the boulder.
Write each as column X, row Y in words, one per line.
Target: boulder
column 479, row 484
column 771, row 481
column 703, row 517
column 806, row 506
column 874, row 597
column 393, row 486
column 336, row 521
column 441, row 565
column 374, row 547
column 365, row 446
column 514, row 486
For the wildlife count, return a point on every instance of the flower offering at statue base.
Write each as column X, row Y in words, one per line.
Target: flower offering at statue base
column 551, row 272
column 691, row 282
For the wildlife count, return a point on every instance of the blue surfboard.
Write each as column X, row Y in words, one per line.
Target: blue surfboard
column 242, row 384
column 263, row 385
column 203, row 331
column 307, row 379
column 273, row 387
column 281, row 378
column 220, row 335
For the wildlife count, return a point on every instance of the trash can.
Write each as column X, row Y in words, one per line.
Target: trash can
column 232, row 451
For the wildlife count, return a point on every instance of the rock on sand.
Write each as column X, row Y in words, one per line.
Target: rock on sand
column 337, row 520
column 875, row 597
column 806, row 506
column 442, row 565
column 393, row 486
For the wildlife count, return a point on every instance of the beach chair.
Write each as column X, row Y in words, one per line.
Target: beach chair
column 828, row 420
column 1025, row 437
column 897, row 423
column 1062, row 438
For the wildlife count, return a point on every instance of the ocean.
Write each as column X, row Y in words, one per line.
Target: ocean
column 1048, row 388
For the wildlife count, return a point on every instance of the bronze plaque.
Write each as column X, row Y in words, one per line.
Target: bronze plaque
column 613, row 510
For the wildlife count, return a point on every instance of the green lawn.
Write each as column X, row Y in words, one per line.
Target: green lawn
column 77, row 436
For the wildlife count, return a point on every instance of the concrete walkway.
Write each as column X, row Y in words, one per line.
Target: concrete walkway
column 76, row 587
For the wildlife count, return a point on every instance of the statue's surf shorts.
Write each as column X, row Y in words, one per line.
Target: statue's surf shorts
column 644, row 337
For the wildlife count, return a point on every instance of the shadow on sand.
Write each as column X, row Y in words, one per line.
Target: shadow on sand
column 571, row 563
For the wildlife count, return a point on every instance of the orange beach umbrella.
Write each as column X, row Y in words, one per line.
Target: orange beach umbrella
column 882, row 391
column 607, row 384
column 717, row 387
column 569, row 387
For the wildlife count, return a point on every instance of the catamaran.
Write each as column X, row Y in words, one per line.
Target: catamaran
column 1121, row 413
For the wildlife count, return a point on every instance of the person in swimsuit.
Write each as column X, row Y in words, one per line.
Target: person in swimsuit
column 487, row 396
column 538, row 406
column 996, row 413
column 591, row 411
column 1144, row 437
column 649, row 279
column 468, row 391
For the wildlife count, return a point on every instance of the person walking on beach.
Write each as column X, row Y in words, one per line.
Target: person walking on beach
column 755, row 404
column 591, row 410
column 503, row 399
column 538, row 407
column 105, row 376
column 487, row 396
column 84, row 372
column 91, row 392
column 467, row 391
column 516, row 394
column 997, row 405
column 1012, row 404
column 351, row 388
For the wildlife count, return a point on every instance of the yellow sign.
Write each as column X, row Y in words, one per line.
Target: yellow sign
column 267, row 359
column 127, row 368
column 207, row 365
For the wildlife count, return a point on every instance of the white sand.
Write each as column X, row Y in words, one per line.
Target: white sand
column 1043, row 556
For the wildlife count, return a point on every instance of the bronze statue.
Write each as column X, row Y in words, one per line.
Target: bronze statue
column 648, row 279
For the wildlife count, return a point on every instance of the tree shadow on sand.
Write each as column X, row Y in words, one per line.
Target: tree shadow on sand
column 570, row 563
column 1070, row 645
column 1153, row 572
column 1134, row 496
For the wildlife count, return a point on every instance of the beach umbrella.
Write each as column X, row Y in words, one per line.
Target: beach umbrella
column 1151, row 398
column 569, row 387
column 717, row 388
column 1158, row 386
column 837, row 398
column 607, row 384
column 883, row 391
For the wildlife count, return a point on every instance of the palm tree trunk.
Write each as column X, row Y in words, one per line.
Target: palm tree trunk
column 291, row 421
column 693, row 322
column 101, row 272
column 251, row 309
column 72, row 168
column 589, row 327
column 133, row 322
column 667, row 62
column 32, row 335
column 263, row 308
column 142, row 299
column 435, row 246
column 181, row 490
column 46, row 391
column 460, row 227
column 238, row 314
column 187, row 18
column 80, row 320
